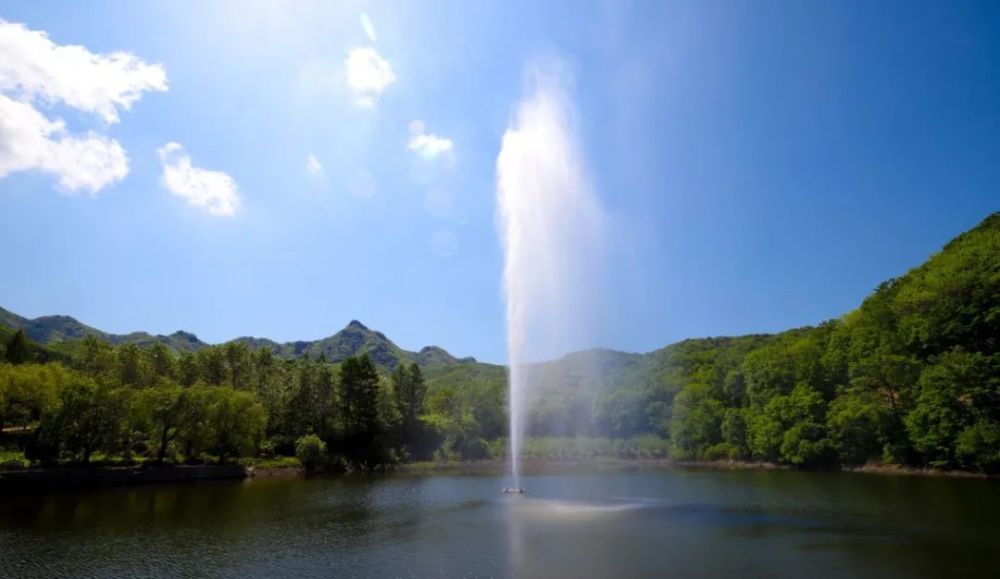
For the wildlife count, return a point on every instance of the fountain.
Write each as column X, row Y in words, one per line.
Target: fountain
column 550, row 226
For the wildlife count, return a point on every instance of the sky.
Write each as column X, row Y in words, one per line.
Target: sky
column 278, row 169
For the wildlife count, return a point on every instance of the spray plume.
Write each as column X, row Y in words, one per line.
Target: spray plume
column 551, row 228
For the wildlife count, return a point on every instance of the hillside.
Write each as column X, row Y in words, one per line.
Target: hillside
column 912, row 376
column 63, row 333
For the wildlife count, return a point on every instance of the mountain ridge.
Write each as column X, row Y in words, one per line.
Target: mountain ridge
column 354, row 339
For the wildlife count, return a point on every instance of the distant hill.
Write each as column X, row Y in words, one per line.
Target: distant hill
column 50, row 330
column 956, row 288
column 355, row 339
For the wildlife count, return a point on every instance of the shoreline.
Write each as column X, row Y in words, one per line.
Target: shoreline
column 601, row 463
column 51, row 478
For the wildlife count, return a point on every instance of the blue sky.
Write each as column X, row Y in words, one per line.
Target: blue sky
column 763, row 165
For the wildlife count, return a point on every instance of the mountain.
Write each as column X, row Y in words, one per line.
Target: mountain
column 353, row 340
column 50, row 330
column 956, row 289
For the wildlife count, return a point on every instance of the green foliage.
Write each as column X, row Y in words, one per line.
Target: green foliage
column 28, row 391
column 912, row 376
column 696, row 422
column 310, row 450
column 17, row 350
column 90, row 417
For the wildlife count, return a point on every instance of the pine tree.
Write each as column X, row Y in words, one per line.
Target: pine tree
column 18, row 348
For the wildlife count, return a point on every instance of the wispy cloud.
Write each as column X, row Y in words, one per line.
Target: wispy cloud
column 313, row 166
column 212, row 191
column 427, row 145
column 366, row 23
column 35, row 72
column 368, row 74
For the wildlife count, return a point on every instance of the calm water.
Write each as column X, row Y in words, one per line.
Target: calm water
column 680, row 523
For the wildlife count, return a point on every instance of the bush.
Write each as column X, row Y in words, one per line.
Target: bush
column 13, row 460
column 310, row 450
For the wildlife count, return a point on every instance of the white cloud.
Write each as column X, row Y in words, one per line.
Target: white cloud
column 368, row 74
column 366, row 23
column 32, row 66
column 34, row 71
column 427, row 145
column 213, row 191
column 313, row 165
column 30, row 141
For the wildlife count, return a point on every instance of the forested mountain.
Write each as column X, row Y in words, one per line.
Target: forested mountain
column 910, row 377
column 64, row 333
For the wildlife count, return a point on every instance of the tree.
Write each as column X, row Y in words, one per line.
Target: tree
column 129, row 364
column 212, row 365
column 187, row 369
column 29, row 391
column 409, row 391
column 957, row 410
column 160, row 409
column 310, row 450
column 238, row 423
column 237, row 357
column 98, row 357
column 18, row 348
column 859, row 425
column 362, row 438
column 91, row 417
column 161, row 362
column 790, row 428
column 696, row 422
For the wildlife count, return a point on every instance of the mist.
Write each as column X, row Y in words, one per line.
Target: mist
column 552, row 231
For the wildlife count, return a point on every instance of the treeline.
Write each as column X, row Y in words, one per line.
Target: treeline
column 221, row 404
column 912, row 377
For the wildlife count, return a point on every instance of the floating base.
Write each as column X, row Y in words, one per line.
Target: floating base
column 512, row 491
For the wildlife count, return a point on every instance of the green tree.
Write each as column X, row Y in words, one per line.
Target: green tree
column 238, row 360
column 161, row 362
column 859, row 424
column 29, row 391
column 363, row 440
column 311, row 451
column 212, row 366
column 91, row 417
column 238, row 422
column 696, row 423
column 129, row 362
column 410, row 391
column 958, row 407
column 18, row 348
column 160, row 410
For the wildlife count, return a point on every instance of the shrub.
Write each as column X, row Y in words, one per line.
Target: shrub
column 310, row 450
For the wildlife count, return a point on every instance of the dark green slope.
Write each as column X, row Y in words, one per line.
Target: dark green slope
column 355, row 339
column 64, row 330
column 64, row 333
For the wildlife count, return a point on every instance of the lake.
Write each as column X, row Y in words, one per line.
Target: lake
column 640, row 523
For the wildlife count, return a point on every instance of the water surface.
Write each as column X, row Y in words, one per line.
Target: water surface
column 682, row 523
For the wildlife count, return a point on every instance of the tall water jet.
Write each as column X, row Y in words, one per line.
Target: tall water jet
column 551, row 227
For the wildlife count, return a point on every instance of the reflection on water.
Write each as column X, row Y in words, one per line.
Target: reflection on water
column 645, row 524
